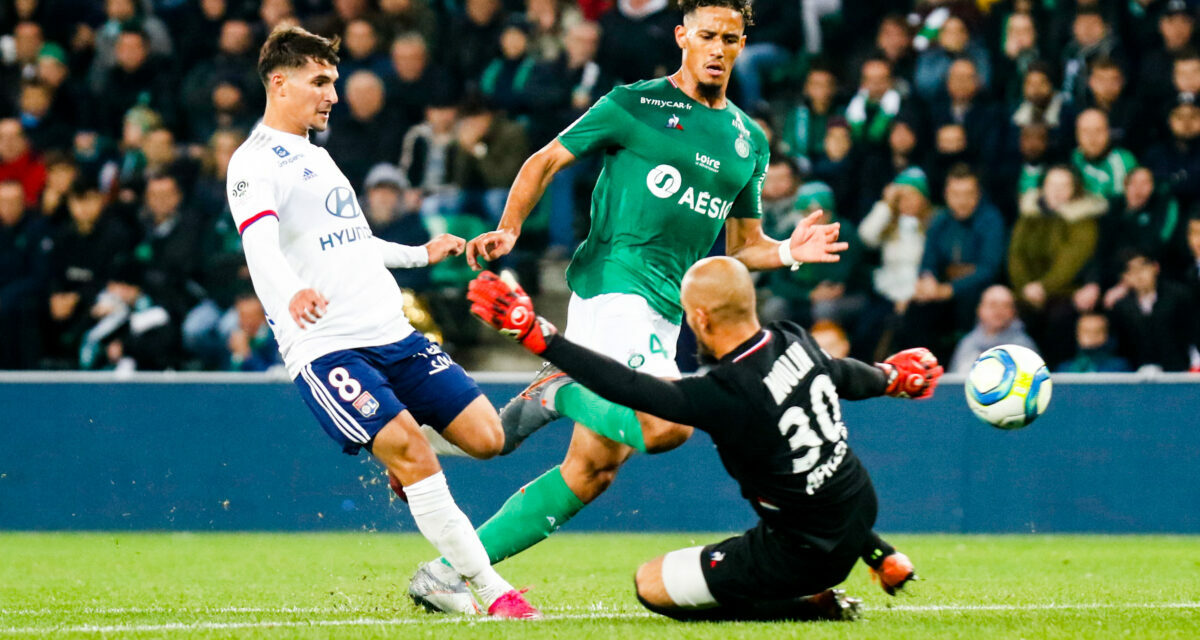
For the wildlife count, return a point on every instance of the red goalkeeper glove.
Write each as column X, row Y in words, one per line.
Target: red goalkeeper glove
column 503, row 304
column 912, row 373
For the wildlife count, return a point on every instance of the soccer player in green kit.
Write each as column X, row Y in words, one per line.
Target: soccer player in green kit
column 680, row 162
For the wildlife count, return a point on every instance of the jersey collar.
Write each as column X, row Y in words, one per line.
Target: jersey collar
column 755, row 343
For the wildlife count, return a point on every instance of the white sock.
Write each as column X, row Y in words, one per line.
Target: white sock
column 440, row 444
column 447, row 527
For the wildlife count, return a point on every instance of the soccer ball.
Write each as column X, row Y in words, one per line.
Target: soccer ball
column 1008, row 386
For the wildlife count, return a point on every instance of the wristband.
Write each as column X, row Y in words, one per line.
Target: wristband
column 785, row 256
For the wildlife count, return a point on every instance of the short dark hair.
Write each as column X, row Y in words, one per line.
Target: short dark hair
column 292, row 48
column 1105, row 62
column 741, row 6
column 961, row 171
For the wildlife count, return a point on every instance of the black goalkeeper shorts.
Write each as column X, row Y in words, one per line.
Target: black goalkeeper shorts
column 768, row 563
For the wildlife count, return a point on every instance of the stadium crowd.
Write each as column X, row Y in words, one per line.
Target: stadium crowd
column 1016, row 171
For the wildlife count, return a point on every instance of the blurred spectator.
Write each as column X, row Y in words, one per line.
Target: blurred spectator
column 198, row 30
column 1176, row 163
column 86, row 246
column 896, row 228
column 830, row 291
column 804, row 123
column 427, row 153
column 505, row 79
column 1191, row 279
column 831, row 337
column 368, row 134
column 399, row 17
column 964, row 106
column 964, row 254
column 998, row 324
column 560, row 90
column 875, row 105
column 1102, row 165
column 876, row 170
column 489, row 150
column 1035, row 149
column 1051, row 243
column 1020, row 52
column 549, row 22
column 25, row 247
column 335, row 22
column 1185, row 75
column 223, row 90
column 773, row 41
column 361, row 51
column 131, row 331
column 164, row 156
column 1094, row 351
column 954, row 42
column 1042, row 104
column 893, row 44
column 135, row 79
column 19, row 162
column 1107, row 93
column 69, row 94
column 1177, row 27
column 394, row 210
column 638, row 40
column 36, row 114
column 19, row 63
column 1154, row 322
column 169, row 250
column 273, row 13
column 412, row 80
column 61, row 173
column 124, row 17
column 949, row 149
column 836, row 166
column 1144, row 218
column 251, row 345
column 1092, row 38
column 475, row 38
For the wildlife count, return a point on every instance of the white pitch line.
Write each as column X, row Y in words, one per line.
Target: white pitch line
column 592, row 615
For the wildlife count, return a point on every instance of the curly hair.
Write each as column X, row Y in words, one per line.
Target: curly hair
column 741, row 6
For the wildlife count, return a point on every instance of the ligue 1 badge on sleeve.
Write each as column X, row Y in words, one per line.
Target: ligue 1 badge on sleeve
column 742, row 147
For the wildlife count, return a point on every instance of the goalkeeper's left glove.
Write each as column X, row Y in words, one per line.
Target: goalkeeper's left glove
column 912, row 373
column 502, row 303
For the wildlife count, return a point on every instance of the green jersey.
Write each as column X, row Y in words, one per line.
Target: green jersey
column 674, row 170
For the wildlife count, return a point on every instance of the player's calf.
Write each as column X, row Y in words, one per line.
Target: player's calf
column 591, row 464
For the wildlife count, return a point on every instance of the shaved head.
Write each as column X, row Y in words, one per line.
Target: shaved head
column 718, row 299
column 720, row 286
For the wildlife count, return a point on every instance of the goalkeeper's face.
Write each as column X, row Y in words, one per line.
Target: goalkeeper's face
column 308, row 94
column 711, row 39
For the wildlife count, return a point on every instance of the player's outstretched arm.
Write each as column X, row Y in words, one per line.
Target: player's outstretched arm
column 810, row 242
column 504, row 305
column 533, row 178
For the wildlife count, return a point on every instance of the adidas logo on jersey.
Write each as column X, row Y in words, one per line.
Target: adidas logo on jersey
column 309, row 173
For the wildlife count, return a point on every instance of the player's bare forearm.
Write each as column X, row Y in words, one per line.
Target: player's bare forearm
column 746, row 242
column 532, row 180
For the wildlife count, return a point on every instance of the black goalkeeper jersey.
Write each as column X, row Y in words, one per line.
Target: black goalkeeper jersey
column 772, row 408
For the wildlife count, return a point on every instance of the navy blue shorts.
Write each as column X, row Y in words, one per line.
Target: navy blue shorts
column 354, row 393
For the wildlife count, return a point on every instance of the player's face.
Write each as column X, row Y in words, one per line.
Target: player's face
column 309, row 94
column 711, row 39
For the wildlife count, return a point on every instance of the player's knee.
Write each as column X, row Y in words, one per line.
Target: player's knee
column 664, row 436
column 487, row 441
column 397, row 438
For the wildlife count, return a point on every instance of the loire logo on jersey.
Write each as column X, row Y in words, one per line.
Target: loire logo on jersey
column 664, row 180
column 340, row 202
column 712, row 164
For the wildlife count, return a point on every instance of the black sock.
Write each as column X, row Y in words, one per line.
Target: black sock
column 875, row 550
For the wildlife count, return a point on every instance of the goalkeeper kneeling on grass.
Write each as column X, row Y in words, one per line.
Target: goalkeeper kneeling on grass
column 770, row 402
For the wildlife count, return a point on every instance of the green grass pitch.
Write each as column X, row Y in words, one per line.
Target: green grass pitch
column 353, row 585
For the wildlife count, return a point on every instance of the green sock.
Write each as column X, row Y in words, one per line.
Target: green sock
column 605, row 418
column 529, row 516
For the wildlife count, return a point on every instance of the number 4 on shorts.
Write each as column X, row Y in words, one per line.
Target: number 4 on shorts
column 656, row 346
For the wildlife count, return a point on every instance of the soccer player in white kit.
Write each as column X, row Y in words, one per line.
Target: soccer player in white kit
column 338, row 316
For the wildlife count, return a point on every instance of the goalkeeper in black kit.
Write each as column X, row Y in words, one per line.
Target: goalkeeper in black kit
column 770, row 404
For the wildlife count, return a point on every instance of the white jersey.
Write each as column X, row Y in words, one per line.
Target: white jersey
column 325, row 240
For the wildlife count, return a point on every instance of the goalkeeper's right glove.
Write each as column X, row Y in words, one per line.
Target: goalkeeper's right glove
column 912, row 373
column 503, row 304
